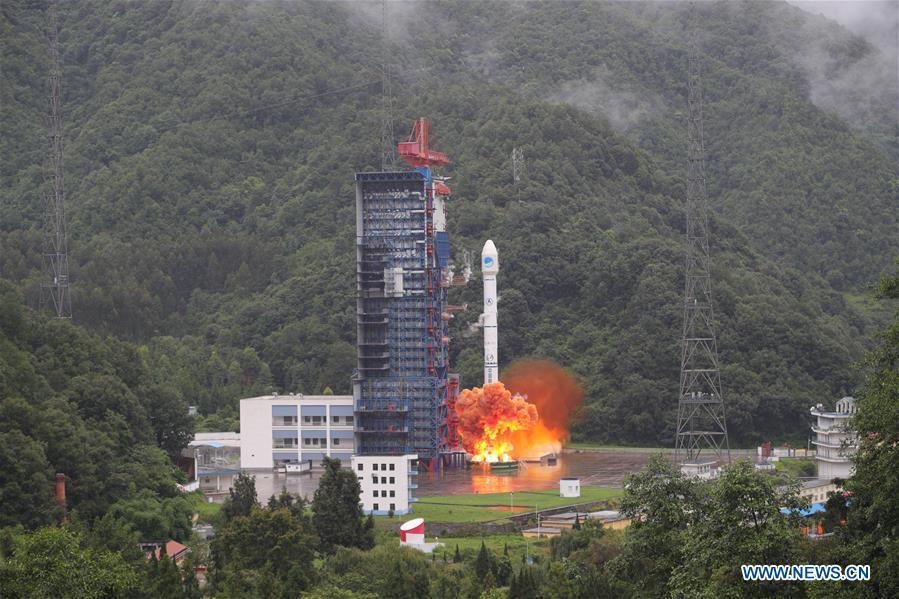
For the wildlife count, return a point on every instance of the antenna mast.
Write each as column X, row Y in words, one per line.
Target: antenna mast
column 55, row 288
column 388, row 139
column 700, row 414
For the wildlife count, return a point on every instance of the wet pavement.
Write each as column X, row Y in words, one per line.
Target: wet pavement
column 603, row 468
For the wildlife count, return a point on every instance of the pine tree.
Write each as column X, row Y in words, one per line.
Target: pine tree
column 241, row 497
column 337, row 515
column 482, row 563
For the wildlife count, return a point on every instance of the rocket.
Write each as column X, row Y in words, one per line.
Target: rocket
column 489, row 269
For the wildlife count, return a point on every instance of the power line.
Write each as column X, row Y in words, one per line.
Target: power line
column 242, row 113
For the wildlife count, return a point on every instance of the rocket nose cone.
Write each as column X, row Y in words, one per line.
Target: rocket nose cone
column 489, row 258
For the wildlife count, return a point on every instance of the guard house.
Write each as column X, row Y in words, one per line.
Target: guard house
column 569, row 487
column 835, row 441
column 279, row 430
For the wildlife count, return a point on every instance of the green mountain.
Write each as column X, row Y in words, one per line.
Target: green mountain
column 210, row 155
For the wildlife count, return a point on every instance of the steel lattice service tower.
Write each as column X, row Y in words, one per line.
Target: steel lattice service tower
column 403, row 392
column 700, row 415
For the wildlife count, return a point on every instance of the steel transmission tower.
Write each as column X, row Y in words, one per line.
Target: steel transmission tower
column 55, row 288
column 388, row 139
column 517, row 164
column 700, row 415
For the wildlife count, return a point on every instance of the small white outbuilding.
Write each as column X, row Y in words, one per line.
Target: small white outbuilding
column 569, row 487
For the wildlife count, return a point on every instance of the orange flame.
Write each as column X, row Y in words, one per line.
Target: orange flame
column 527, row 417
column 556, row 394
column 488, row 415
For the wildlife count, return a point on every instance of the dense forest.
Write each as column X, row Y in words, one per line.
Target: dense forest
column 210, row 152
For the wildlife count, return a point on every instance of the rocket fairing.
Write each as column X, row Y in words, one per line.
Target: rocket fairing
column 489, row 269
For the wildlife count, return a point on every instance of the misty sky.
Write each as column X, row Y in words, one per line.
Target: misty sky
column 876, row 20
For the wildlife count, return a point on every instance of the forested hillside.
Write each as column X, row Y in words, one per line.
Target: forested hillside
column 210, row 156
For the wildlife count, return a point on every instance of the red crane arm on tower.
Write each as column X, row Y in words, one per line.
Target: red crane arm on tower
column 416, row 151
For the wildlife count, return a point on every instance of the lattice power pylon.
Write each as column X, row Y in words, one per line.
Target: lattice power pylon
column 55, row 286
column 701, row 426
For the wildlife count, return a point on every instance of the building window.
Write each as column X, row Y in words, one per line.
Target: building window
column 392, row 507
column 307, row 419
column 393, row 493
column 336, row 441
column 374, row 480
column 383, row 480
column 374, row 493
column 284, row 420
column 374, row 466
column 335, row 419
column 392, row 466
column 315, row 441
column 392, row 480
column 360, row 479
column 374, row 506
column 383, row 466
column 307, row 441
column 285, row 443
column 360, row 467
column 349, row 421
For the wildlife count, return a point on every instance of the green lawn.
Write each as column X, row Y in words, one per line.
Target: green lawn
column 480, row 508
column 206, row 512
column 797, row 467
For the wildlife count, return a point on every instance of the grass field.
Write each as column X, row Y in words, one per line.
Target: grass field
column 797, row 467
column 481, row 508
column 206, row 512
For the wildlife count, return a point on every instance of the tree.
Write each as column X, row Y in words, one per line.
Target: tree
column 51, row 563
column 26, row 489
column 241, row 497
column 873, row 512
column 266, row 551
column 173, row 427
column 336, row 511
column 658, row 501
column 482, row 563
column 739, row 522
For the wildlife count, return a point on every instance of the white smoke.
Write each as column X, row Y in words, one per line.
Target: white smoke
column 598, row 94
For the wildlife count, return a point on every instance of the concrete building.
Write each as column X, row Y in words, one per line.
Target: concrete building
column 569, row 487
column 817, row 491
column 700, row 470
column 836, row 443
column 282, row 429
column 387, row 482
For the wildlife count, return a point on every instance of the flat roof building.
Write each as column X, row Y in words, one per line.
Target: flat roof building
column 387, row 483
column 283, row 429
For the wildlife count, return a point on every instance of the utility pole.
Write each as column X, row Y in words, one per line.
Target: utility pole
column 701, row 424
column 388, row 139
column 55, row 286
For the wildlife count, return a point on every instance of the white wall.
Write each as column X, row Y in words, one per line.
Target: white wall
column 256, row 427
column 364, row 469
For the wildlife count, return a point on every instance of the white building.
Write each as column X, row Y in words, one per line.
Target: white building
column 836, row 443
column 569, row 487
column 387, row 482
column 700, row 470
column 283, row 429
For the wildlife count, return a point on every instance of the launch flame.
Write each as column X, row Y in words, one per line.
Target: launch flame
column 488, row 416
column 525, row 417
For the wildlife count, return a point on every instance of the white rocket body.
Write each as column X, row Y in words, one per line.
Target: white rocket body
column 489, row 269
